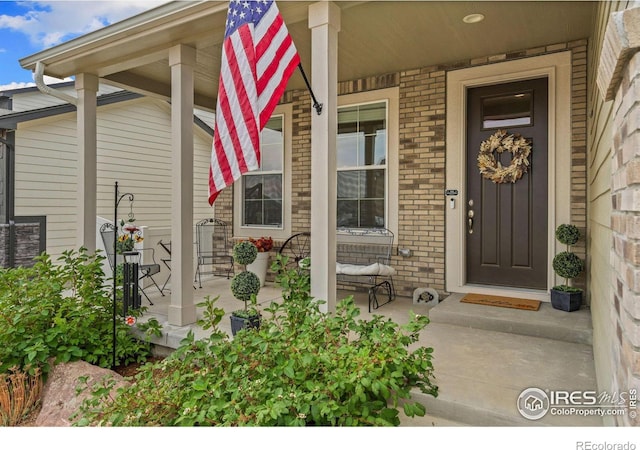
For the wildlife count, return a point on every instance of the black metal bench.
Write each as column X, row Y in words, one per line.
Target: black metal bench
column 363, row 258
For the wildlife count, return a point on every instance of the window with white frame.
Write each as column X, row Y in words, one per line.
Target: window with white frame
column 362, row 165
column 262, row 189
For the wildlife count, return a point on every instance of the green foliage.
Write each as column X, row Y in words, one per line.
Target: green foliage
column 565, row 288
column 249, row 313
column 245, row 252
column 212, row 315
column 244, row 285
column 567, row 264
column 301, row 367
column 61, row 311
column 567, row 234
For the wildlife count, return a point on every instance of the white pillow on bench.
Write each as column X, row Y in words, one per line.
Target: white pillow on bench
column 376, row 269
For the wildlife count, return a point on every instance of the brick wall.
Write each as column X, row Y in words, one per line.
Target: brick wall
column 619, row 80
column 421, row 221
column 579, row 152
column 625, row 221
column 422, row 110
column 301, row 162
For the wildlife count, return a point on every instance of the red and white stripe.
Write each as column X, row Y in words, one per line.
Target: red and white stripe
column 257, row 62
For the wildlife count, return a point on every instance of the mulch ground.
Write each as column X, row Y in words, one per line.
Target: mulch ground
column 133, row 368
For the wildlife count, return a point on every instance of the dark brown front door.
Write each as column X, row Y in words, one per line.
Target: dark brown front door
column 506, row 223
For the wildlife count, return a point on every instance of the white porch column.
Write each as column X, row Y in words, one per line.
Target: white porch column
column 182, row 310
column 87, row 108
column 324, row 22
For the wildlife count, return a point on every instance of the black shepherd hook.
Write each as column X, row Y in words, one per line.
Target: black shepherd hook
column 117, row 200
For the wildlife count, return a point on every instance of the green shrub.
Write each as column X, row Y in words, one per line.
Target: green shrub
column 245, row 252
column 302, row 367
column 244, row 285
column 567, row 265
column 61, row 311
column 567, row 234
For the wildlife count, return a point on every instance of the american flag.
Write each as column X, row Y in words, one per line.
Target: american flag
column 258, row 58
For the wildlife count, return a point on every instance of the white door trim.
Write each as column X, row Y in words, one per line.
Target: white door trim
column 557, row 68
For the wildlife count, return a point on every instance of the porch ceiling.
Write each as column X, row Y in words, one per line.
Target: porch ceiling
column 375, row 38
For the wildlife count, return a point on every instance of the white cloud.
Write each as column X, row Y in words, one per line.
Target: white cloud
column 49, row 23
column 20, row 85
column 15, row 85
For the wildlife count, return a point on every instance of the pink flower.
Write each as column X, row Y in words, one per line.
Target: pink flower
column 130, row 228
column 130, row 320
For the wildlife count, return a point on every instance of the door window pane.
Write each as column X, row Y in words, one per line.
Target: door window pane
column 513, row 110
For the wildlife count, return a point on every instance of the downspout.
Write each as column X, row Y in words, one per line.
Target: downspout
column 39, row 79
column 10, row 245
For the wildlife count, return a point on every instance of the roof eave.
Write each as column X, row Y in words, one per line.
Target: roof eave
column 149, row 20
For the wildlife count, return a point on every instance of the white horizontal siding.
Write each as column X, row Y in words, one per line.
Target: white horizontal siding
column 201, row 160
column 207, row 117
column 34, row 99
column 134, row 148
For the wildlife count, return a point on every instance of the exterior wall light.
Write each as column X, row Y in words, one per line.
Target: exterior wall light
column 473, row 18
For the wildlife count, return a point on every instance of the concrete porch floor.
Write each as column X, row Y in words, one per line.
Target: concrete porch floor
column 397, row 310
column 484, row 356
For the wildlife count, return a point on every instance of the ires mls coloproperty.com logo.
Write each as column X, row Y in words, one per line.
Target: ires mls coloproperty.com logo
column 534, row 403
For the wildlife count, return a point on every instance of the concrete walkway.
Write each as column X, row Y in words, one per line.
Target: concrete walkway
column 484, row 356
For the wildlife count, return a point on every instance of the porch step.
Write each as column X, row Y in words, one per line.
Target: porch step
column 547, row 322
column 480, row 374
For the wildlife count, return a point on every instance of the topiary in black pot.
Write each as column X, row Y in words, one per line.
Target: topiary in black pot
column 245, row 286
column 567, row 265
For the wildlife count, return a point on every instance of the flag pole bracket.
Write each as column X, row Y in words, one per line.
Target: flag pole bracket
column 316, row 105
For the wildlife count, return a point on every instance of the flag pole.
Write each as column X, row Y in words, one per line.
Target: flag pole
column 316, row 105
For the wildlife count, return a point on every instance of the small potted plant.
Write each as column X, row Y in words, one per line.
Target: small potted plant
column 567, row 265
column 245, row 286
column 261, row 263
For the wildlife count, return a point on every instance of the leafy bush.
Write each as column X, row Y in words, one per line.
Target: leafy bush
column 61, row 311
column 244, row 285
column 302, row 367
column 567, row 234
column 567, row 264
column 565, row 288
column 245, row 252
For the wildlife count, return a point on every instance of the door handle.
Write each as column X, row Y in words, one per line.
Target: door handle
column 470, row 215
column 470, row 222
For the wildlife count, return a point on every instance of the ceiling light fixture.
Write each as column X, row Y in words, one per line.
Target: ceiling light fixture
column 473, row 18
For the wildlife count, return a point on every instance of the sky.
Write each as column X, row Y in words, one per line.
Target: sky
column 27, row 27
